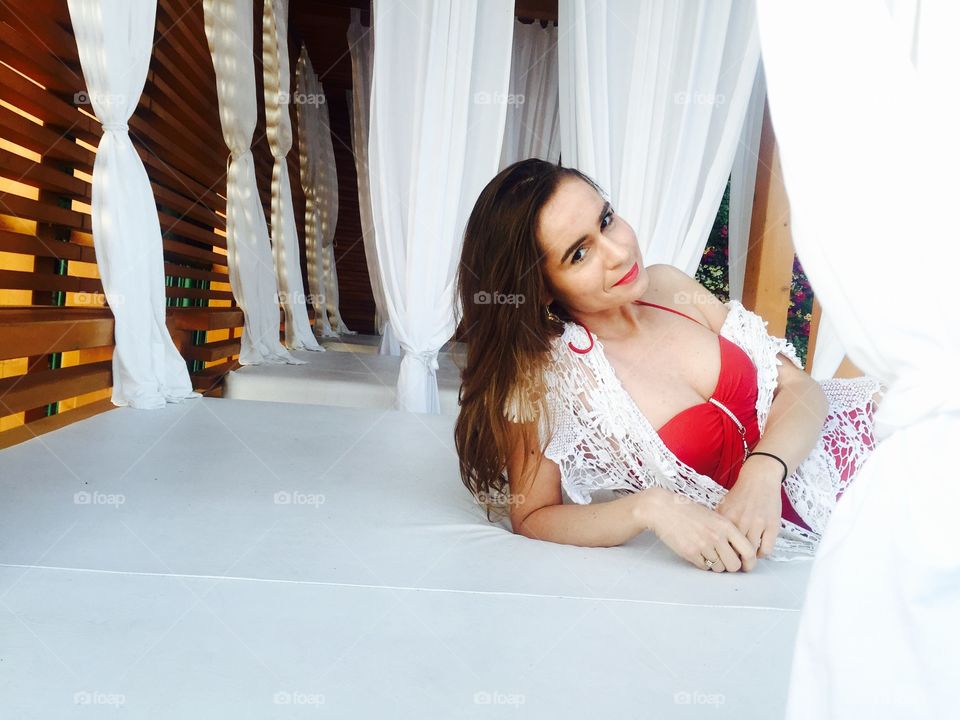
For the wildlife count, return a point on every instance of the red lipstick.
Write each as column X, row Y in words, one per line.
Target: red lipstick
column 629, row 277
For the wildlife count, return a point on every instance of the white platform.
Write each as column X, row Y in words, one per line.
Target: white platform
column 370, row 587
column 345, row 379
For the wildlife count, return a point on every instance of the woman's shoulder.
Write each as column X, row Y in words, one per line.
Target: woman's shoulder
column 674, row 289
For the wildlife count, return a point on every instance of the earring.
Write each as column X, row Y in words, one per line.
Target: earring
column 582, row 351
column 551, row 316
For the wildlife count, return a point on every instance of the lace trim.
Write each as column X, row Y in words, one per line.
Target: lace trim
column 601, row 440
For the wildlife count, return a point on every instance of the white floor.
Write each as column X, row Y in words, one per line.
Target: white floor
column 347, row 375
column 230, row 559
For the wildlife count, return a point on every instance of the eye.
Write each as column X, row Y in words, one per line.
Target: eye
column 576, row 257
column 610, row 216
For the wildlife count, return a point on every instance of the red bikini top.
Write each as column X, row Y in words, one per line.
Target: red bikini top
column 704, row 436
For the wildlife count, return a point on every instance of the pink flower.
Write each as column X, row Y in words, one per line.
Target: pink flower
column 723, row 231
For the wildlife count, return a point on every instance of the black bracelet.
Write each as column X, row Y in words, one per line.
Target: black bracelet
column 759, row 452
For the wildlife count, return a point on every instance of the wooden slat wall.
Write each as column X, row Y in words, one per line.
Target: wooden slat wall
column 49, row 284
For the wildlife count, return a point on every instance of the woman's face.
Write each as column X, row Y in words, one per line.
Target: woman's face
column 588, row 249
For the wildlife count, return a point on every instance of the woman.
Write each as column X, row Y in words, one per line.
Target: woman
column 576, row 351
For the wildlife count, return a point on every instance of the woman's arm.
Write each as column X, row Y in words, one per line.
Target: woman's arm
column 537, row 510
column 796, row 419
column 599, row 524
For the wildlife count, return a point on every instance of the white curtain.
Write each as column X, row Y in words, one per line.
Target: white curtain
column 434, row 144
column 652, row 101
column 533, row 104
column 115, row 40
column 309, row 95
column 328, row 205
column 286, row 245
column 743, row 182
column 229, row 29
column 829, row 351
column 866, row 126
column 360, row 40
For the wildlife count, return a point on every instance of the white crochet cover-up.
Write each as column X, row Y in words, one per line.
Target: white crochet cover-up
column 605, row 446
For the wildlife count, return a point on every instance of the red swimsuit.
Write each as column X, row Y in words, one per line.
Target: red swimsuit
column 706, row 438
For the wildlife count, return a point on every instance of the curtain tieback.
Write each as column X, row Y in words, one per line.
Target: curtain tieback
column 115, row 126
column 237, row 154
column 427, row 357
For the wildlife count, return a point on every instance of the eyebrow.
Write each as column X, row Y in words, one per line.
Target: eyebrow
column 569, row 252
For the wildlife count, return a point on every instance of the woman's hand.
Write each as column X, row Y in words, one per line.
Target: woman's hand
column 694, row 532
column 754, row 505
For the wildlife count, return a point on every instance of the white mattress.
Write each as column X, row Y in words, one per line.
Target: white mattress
column 345, row 379
column 377, row 590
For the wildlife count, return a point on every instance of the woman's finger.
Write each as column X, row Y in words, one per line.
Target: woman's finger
column 745, row 548
column 729, row 556
column 768, row 540
column 711, row 554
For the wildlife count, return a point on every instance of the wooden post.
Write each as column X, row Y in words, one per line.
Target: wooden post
column 769, row 266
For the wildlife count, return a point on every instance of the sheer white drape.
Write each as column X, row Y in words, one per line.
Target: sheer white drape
column 868, row 144
column 229, row 30
column 829, row 350
column 328, row 205
column 652, row 101
column 743, row 181
column 115, row 40
column 434, row 144
column 286, row 245
column 360, row 40
column 309, row 96
column 533, row 104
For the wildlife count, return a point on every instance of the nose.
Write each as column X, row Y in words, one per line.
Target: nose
column 616, row 254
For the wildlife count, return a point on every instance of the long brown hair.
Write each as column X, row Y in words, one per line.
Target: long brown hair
column 501, row 288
